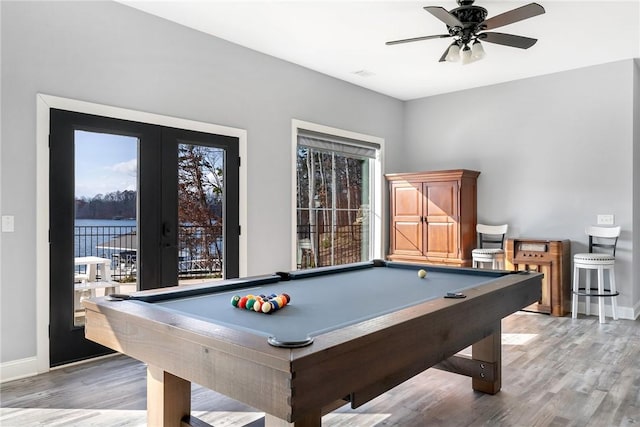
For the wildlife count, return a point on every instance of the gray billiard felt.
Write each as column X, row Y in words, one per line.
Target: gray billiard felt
column 327, row 302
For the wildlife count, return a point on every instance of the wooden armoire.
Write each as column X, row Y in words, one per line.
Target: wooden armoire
column 433, row 216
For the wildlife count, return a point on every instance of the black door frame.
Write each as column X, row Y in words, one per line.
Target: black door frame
column 157, row 232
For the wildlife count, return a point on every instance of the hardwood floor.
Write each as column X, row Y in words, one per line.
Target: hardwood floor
column 556, row 372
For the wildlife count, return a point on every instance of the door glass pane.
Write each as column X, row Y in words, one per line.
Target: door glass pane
column 105, row 237
column 333, row 215
column 200, row 213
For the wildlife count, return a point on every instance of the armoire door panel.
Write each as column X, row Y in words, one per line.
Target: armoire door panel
column 408, row 238
column 440, row 240
column 441, row 199
column 407, row 201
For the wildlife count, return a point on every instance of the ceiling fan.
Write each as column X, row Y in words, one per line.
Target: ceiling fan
column 468, row 23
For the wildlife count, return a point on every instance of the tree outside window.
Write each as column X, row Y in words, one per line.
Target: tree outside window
column 200, row 204
column 333, row 198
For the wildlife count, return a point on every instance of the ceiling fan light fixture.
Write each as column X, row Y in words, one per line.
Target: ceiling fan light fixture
column 453, row 55
column 468, row 23
column 466, row 55
column 477, row 51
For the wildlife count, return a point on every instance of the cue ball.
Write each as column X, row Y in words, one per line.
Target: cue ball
column 422, row 274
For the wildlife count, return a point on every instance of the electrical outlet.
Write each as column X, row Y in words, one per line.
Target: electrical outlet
column 605, row 219
column 7, row 224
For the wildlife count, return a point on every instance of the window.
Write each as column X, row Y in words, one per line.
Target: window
column 337, row 194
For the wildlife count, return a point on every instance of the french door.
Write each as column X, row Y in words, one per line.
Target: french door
column 133, row 206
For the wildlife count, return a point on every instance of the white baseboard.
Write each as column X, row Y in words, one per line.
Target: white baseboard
column 16, row 369
column 627, row 313
column 635, row 311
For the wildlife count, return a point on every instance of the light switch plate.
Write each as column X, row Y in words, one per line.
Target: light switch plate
column 7, row 223
column 605, row 219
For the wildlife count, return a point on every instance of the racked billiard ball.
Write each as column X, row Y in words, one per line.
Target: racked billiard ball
column 266, row 307
column 243, row 302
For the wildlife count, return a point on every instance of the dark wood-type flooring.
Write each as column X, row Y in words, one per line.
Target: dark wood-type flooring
column 556, row 372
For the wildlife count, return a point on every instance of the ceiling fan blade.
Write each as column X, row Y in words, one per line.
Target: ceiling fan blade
column 417, row 39
column 446, row 51
column 508, row 40
column 525, row 12
column 442, row 14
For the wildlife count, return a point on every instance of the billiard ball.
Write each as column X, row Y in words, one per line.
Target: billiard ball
column 235, row 300
column 257, row 305
column 422, row 273
column 266, row 307
column 243, row 302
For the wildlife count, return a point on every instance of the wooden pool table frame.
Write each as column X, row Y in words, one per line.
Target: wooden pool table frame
column 297, row 386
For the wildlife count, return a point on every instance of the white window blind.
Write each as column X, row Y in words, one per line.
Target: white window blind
column 337, row 144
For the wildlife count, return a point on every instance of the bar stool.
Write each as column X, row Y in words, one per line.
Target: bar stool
column 604, row 238
column 490, row 246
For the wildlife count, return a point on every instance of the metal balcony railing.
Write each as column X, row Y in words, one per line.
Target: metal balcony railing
column 325, row 245
column 200, row 249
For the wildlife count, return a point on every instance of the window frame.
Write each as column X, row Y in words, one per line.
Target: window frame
column 376, row 189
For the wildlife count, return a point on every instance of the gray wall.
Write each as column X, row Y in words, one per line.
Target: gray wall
column 554, row 151
column 107, row 53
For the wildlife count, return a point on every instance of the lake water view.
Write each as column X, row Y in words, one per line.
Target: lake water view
column 90, row 234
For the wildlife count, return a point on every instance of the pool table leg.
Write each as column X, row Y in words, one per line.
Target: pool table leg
column 489, row 350
column 168, row 398
column 313, row 419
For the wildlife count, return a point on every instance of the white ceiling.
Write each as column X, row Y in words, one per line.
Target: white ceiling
column 345, row 39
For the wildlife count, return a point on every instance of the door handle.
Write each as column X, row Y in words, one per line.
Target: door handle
column 168, row 240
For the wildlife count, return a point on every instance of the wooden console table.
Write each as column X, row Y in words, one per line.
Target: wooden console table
column 551, row 257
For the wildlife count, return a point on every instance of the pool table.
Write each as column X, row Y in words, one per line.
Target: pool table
column 349, row 334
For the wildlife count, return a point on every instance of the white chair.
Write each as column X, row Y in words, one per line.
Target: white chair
column 600, row 238
column 490, row 246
